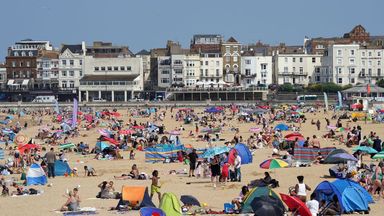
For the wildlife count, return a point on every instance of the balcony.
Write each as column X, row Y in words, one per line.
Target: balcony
column 293, row 73
column 249, row 75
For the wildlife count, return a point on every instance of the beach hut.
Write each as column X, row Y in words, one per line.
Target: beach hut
column 62, row 168
column 36, row 175
column 170, row 205
column 351, row 198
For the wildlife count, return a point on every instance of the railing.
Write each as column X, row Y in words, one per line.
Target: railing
column 293, row 73
column 227, row 89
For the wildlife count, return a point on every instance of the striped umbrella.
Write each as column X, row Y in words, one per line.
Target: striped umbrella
column 379, row 155
column 273, row 164
column 365, row 149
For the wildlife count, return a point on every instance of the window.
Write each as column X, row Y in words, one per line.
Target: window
column 352, row 52
column 363, row 62
column 178, row 79
column 122, row 68
column 16, row 54
column 71, row 73
column 206, row 62
column 369, row 71
column 293, row 59
column 71, row 62
column 227, row 49
column 164, row 80
column 247, row 72
column 369, row 53
column 64, row 73
column 109, row 68
column 285, row 69
column 369, row 63
column 313, row 60
column 64, row 84
column 339, row 52
column 352, row 80
column 363, row 72
column 339, row 61
column 363, row 54
column 340, row 80
column 71, row 84
column 129, row 68
column 201, row 63
column 217, row 63
column 80, row 62
column 286, row 60
column 339, row 70
column 201, row 72
column 301, row 70
column 13, row 64
column 293, row 69
column 352, row 70
column 115, row 68
column 80, row 73
column 178, row 71
column 352, row 61
column 263, row 66
column 379, row 53
column 317, row 70
column 165, row 72
column 317, row 78
column 378, row 62
column 102, row 68
column 234, row 58
column 248, row 61
column 30, row 53
column 97, row 68
column 64, row 62
column 217, row 72
column 206, row 72
column 378, row 71
column 178, row 62
column 23, row 53
column 227, row 58
column 235, row 49
column 28, row 64
column 301, row 59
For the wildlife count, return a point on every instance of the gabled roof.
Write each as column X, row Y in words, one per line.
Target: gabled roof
column 77, row 48
column 232, row 40
column 143, row 52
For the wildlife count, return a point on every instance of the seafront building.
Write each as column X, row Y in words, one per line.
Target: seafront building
column 210, row 67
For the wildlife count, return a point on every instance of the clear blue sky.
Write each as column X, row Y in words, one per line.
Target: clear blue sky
column 145, row 24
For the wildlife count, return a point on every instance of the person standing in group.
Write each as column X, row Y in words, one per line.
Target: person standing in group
column 192, row 162
column 313, row 205
column 301, row 189
column 51, row 158
column 215, row 170
column 237, row 166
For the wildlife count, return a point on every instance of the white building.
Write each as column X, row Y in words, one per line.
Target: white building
column 3, row 76
column 111, row 73
column 295, row 68
column 211, row 68
column 164, row 71
column 71, row 66
column 255, row 70
column 191, row 69
column 47, row 70
column 346, row 64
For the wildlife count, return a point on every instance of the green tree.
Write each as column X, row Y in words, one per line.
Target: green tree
column 286, row 87
column 380, row 83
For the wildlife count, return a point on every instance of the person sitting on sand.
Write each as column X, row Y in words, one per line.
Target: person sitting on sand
column 73, row 201
column 89, row 171
column 238, row 201
column 133, row 174
column 107, row 190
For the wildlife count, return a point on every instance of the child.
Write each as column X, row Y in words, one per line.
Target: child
column 225, row 172
column 89, row 171
column 5, row 191
column 155, row 187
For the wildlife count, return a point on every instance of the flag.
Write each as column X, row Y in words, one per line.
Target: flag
column 368, row 88
column 74, row 113
column 340, row 99
column 326, row 100
column 57, row 111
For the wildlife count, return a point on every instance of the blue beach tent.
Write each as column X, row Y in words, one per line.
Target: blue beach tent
column 244, row 153
column 36, row 175
column 282, row 127
column 62, row 167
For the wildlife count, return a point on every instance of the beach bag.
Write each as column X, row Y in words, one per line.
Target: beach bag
column 32, row 191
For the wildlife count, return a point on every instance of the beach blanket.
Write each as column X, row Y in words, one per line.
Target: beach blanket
column 162, row 152
column 81, row 211
column 303, row 154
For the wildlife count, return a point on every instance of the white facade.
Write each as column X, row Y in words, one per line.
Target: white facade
column 296, row 68
column 256, row 70
column 47, row 72
column 351, row 64
column 3, row 77
column 164, row 73
column 71, row 70
column 191, row 70
column 211, row 68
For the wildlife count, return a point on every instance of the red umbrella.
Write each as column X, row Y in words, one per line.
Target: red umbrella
column 357, row 106
column 295, row 204
column 295, row 134
column 112, row 141
column 116, row 114
column 126, row 132
column 24, row 147
column 138, row 127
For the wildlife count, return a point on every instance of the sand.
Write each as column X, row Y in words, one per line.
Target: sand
column 53, row 198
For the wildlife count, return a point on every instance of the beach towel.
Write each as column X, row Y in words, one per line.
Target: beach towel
column 303, row 154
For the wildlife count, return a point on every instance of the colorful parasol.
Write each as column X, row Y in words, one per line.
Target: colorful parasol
column 273, row 164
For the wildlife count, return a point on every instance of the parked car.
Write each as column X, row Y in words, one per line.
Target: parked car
column 44, row 99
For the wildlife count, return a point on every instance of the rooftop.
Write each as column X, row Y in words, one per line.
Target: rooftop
column 76, row 48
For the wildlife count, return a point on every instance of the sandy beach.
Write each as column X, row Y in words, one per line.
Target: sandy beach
column 52, row 198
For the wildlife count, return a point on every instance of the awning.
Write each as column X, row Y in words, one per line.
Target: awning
column 10, row 82
column 25, row 82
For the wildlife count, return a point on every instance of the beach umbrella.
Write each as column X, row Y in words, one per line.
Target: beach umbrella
column 295, row 204
column 273, row 164
column 282, row 127
column 294, row 136
column 379, row 155
column 174, row 132
column 254, row 129
column 189, row 200
column 365, row 149
column 138, row 127
column 331, row 127
column 9, row 117
column 20, row 138
column 340, row 129
column 126, row 132
column 105, row 132
column 211, row 152
column 267, row 205
column 344, row 157
column 357, row 106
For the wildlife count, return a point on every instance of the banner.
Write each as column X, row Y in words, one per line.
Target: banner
column 74, row 113
column 326, row 101
column 340, row 99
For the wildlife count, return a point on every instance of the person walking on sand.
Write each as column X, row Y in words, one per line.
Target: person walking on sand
column 301, row 189
column 51, row 158
column 155, row 187
column 192, row 162
column 215, row 170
